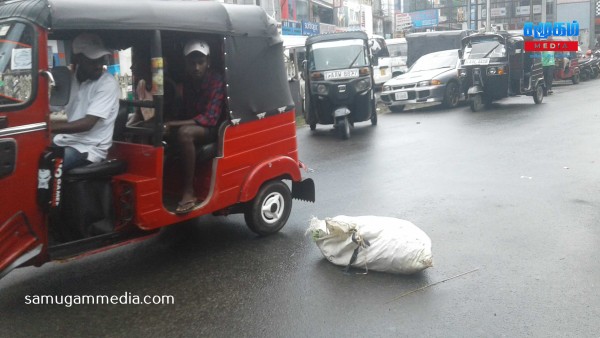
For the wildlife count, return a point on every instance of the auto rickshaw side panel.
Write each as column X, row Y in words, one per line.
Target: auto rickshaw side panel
column 23, row 137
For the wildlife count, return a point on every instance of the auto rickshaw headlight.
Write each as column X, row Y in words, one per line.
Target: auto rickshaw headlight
column 322, row 89
column 423, row 84
column 361, row 85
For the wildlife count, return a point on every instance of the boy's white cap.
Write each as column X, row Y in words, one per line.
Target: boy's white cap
column 196, row 46
column 90, row 45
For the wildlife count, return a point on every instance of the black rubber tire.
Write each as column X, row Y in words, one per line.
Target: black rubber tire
column 575, row 79
column 476, row 103
column 264, row 219
column 374, row 119
column 452, row 95
column 396, row 109
column 344, row 128
column 538, row 94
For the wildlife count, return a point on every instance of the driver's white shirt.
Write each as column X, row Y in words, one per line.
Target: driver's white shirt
column 98, row 98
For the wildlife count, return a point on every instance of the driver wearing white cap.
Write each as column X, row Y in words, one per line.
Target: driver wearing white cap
column 92, row 108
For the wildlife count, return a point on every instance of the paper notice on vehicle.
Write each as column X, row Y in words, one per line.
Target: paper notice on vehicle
column 471, row 62
column 341, row 74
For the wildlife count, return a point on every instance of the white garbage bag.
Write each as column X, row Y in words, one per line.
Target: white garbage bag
column 374, row 243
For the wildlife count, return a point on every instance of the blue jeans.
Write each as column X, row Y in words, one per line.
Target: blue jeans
column 73, row 159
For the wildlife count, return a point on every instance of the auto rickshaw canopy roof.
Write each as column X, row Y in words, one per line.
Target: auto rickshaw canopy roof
column 255, row 71
column 180, row 15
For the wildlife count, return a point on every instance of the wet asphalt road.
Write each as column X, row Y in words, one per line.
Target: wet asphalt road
column 512, row 193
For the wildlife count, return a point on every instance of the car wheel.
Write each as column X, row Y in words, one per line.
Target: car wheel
column 476, row 103
column 270, row 209
column 538, row 95
column 451, row 96
column 396, row 109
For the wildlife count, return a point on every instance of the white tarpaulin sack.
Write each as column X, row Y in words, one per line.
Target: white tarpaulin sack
column 374, row 243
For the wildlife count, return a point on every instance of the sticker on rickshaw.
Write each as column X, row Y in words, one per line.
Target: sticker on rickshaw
column 401, row 96
column 341, row 74
column 470, row 62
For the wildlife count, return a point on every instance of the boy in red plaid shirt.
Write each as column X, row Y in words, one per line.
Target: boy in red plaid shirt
column 204, row 99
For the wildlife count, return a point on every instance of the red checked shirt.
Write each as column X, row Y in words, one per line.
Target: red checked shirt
column 205, row 105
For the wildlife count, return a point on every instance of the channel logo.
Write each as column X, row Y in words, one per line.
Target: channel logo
column 544, row 30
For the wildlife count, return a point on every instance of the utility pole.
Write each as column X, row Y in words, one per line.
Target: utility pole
column 488, row 14
column 544, row 18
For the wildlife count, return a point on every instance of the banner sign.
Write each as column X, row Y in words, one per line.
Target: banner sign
column 310, row 28
column 291, row 28
column 426, row 18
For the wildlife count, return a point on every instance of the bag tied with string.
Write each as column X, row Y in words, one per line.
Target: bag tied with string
column 376, row 243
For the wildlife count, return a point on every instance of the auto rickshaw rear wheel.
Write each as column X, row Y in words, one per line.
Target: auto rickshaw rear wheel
column 268, row 212
column 538, row 94
column 575, row 79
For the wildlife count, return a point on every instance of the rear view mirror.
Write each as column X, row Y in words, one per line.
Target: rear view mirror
column 61, row 90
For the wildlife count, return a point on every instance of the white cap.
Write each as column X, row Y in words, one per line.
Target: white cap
column 196, row 46
column 90, row 45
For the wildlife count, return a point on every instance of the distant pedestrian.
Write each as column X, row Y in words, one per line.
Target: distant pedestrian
column 548, row 66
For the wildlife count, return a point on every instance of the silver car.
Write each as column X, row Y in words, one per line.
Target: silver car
column 433, row 78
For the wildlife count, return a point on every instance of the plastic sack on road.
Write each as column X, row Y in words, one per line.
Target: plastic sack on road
column 374, row 243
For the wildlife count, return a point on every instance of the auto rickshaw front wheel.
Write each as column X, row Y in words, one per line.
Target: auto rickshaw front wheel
column 268, row 212
column 476, row 103
column 343, row 127
column 538, row 94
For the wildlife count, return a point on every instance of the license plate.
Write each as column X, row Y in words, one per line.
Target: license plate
column 341, row 74
column 401, row 96
column 470, row 62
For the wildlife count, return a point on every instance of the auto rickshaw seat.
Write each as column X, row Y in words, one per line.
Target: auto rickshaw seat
column 99, row 170
column 210, row 150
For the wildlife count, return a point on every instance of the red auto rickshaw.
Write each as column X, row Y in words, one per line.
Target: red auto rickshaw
column 47, row 214
column 566, row 64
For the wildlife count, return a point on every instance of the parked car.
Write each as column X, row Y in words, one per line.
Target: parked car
column 433, row 78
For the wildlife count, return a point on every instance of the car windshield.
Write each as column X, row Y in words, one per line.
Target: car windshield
column 478, row 49
column 397, row 49
column 338, row 55
column 16, row 63
column 446, row 59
